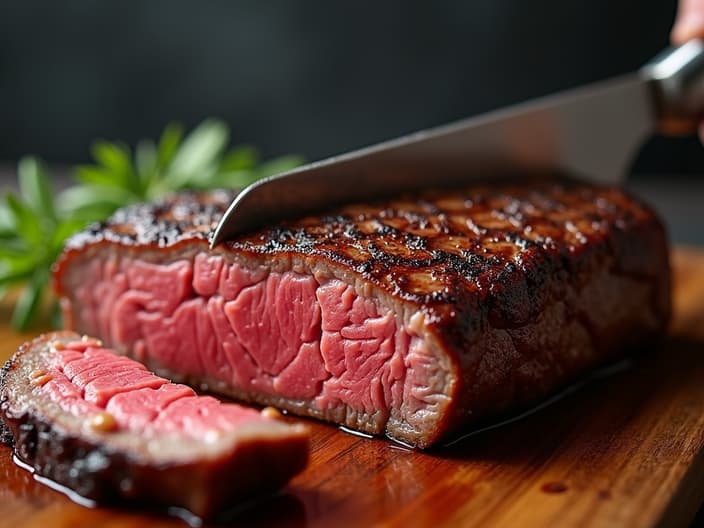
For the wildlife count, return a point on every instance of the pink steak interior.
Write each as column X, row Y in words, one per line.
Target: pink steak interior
column 86, row 380
column 284, row 334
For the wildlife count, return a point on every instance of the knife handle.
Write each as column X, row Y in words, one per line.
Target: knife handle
column 677, row 78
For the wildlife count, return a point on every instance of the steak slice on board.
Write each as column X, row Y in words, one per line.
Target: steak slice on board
column 108, row 429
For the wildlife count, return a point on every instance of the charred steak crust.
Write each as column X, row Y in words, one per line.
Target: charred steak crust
column 60, row 446
column 520, row 287
column 5, row 433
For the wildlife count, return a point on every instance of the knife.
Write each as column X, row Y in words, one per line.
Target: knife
column 591, row 132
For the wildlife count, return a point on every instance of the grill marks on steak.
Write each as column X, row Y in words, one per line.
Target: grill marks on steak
column 417, row 315
column 107, row 428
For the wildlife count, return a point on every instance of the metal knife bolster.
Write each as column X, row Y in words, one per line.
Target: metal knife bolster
column 677, row 80
column 591, row 132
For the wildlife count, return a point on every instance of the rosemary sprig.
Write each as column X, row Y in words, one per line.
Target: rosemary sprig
column 35, row 223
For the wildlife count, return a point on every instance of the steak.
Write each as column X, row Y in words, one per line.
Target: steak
column 410, row 317
column 107, row 428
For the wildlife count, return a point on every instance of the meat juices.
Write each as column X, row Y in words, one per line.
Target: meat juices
column 411, row 317
column 108, row 429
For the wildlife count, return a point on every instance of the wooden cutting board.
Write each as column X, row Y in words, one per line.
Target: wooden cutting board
column 624, row 450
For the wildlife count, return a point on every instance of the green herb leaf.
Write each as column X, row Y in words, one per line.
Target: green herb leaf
column 29, row 300
column 34, row 187
column 235, row 179
column 13, row 249
column 198, row 155
column 7, row 226
column 168, row 144
column 8, row 278
column 26, row 222
column 146, row 164
column 116, row 158
column 240, row 158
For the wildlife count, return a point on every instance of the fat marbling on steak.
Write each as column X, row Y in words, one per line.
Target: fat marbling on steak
column 410, row 317
column 110, row 430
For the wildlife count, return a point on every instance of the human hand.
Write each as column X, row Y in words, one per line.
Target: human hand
column 689, row 22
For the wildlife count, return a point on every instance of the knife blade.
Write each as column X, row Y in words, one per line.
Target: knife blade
column 591, row 132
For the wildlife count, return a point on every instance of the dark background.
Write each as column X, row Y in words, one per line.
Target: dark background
column 312, row 77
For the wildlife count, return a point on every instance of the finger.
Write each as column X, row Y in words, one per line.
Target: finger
column 689, row 22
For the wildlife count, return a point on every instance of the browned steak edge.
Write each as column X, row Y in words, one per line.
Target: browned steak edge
column 5, row 433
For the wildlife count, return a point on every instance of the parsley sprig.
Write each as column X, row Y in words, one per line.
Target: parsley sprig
column 35, row 223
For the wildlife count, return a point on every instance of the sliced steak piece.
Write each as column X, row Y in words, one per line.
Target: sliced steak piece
column 108, row 429
column 410, row 317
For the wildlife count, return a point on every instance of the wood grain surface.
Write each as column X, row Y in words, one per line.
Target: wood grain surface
column 626, row 449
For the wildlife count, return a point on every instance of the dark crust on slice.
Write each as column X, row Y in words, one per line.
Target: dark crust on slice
column 99, row 471
column 496, row 270
column 5, row 433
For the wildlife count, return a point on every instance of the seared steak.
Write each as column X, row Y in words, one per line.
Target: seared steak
column 410, row 317
column 105, row 427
